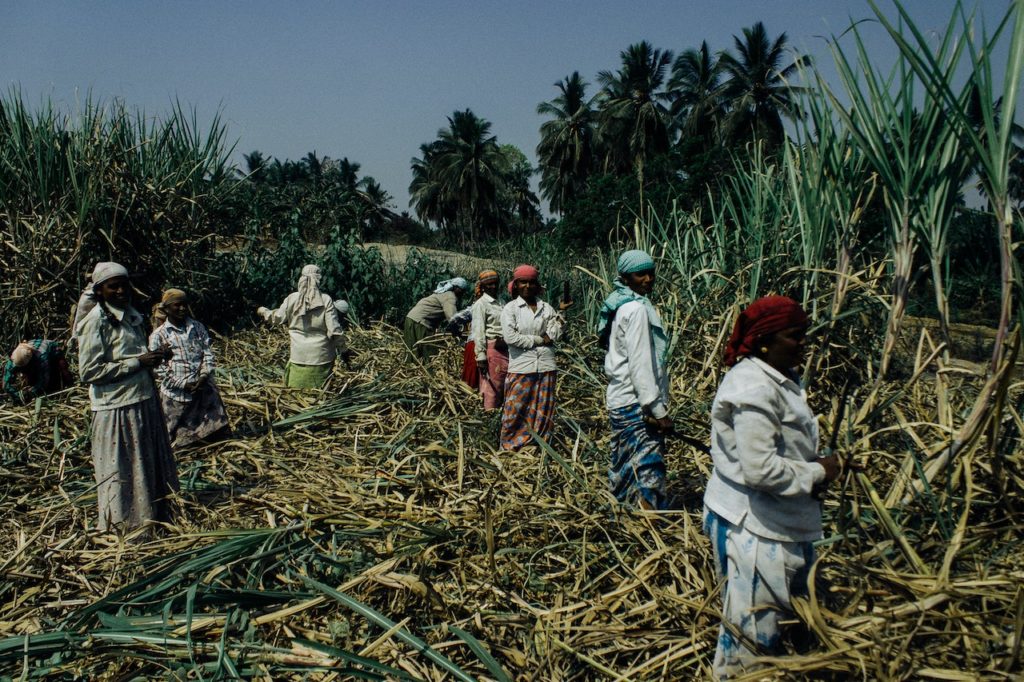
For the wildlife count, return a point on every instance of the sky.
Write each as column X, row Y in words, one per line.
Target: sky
column 373, row 80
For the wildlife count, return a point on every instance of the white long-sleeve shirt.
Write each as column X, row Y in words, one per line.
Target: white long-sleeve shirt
column 486, row 324
column 764, row 443
column 108, row 358
column 316, row 336
column 523, row 330
column 631, row 364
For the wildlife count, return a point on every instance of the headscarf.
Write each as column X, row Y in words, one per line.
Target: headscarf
column 86, row 302
column 309, row 289
column 764, row 316
column 22, row 355
column 634, row 261
column 105, row 270
column 484, row 277
column 159, row 314
column 342, row 306
column 452, row 283
column 524, row 271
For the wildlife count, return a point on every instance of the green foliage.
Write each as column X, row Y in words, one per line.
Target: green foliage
column 104, row 183
column 469, row 186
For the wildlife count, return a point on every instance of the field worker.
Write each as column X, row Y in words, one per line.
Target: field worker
column 35, row 368
column 489, row 348
column 630, row 330
column 191, row 403
column 135, row 472
column 313, row 328
column 460, row 326
column 429, row 313
column 760, row 506
column 531, row 328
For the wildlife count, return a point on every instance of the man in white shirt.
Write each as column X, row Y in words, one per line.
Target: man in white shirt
column 637, row 395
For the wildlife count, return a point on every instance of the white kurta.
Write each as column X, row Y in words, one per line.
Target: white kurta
column 523, row 330
column 316, row 335
column 634, row 375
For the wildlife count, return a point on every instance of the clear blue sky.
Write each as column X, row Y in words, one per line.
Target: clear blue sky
column 374, row 80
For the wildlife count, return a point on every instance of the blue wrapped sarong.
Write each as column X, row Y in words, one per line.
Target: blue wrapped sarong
column 637, row 466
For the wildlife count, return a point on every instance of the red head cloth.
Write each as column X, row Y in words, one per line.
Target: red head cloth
column 522, row 272
column 764, row 316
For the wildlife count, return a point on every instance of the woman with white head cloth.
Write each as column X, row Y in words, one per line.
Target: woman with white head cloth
column 313, row 327
column 429, row 313
column 135, row 472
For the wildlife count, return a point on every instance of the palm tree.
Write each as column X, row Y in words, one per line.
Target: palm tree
column 633, row 120
column 426, row 194
column 697, row 106
column 518, row 203
column 566, row 149
column 314, row 165
column 756, row 90
column 255, row 165
column 348, row 174
column 468, row 166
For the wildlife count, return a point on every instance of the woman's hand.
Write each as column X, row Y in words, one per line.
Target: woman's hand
column 833, row 467
column 663, row 425
column 481, row 366
column 565, row 305
column 545, row 340
column 152, row 358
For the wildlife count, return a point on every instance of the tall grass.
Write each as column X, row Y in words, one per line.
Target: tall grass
column 103, row 183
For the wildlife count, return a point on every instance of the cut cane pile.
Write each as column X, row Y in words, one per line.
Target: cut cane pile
column 374, row 532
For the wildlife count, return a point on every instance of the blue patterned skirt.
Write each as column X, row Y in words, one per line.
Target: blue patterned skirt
column 637, row 468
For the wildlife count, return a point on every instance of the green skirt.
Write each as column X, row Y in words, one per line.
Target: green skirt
column 307, row 376
column 415, row 336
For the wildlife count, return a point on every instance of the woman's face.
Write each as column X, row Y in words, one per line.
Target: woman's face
column 641, row 282
column 490, row 288
column 786, row 349
column 527, row 288
column 176, row 311
column 116, row 291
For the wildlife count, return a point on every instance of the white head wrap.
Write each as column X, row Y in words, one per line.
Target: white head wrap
column 341, row 305
column 22, row 355
column 309, row 289
column 450, row 284
column 105, row 270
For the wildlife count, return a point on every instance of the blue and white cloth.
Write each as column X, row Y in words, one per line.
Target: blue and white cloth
column 637, row 468
column 761, row 578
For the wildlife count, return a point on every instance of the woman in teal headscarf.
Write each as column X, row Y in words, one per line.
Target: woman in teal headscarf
column 632, row 333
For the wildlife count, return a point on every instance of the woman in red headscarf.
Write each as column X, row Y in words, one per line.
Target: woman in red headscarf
column 761, row 510
column 530, row 328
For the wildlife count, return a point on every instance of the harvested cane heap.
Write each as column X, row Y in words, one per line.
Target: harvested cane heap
column 374, row 532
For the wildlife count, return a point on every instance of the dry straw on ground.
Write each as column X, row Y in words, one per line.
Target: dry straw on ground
column 374, row 532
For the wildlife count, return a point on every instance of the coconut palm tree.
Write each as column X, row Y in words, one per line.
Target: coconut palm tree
column 426, row 193
column 697, row 107
column 566, row 149
column 255, row 165
column 757, row 90
column 468, row 164
column 633, row 119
